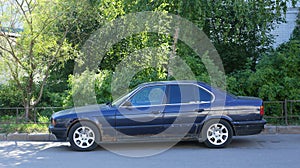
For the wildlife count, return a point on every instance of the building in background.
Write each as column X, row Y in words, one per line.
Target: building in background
column 284, row 31
column 11, row 34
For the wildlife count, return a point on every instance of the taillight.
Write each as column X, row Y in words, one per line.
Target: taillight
column 262, row 111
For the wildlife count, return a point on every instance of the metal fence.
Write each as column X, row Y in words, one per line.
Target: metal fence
column 16, row 115
column 285, row 112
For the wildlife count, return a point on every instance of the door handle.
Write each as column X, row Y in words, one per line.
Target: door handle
column 199, row 110
column 156, row 112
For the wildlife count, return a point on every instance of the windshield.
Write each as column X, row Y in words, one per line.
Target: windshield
column 122, row 98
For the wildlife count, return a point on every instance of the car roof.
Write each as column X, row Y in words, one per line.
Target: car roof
column 202, row 84
column 173, row 82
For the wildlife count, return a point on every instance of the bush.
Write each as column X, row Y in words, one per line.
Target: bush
column 24, row 128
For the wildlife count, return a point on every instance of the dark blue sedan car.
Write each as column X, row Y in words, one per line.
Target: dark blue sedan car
column 162, row 111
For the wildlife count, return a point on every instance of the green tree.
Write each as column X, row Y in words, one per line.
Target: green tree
column 57, row 86
column 276, row 75
column 31, row 57
column 239, row 29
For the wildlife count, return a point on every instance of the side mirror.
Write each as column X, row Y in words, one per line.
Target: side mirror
column 127, row 104
column 108, row 104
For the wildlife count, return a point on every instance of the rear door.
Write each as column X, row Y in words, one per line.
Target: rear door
column 187, row 106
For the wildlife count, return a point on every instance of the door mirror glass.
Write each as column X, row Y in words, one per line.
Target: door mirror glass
column 127, row 104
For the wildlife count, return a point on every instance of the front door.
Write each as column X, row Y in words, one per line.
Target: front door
column 141, row 114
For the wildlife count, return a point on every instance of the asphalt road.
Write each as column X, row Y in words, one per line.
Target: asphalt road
column 271, row 151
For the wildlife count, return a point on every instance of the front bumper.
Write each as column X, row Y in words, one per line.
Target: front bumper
column 60, row 133
column 248, row 127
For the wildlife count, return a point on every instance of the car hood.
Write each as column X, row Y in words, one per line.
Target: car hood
column 80, row 110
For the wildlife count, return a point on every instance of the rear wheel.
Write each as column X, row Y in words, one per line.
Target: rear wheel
column 217, row 133
column 84, row 136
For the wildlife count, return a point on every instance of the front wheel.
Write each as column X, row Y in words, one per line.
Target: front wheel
column 217, row 133
column 83, row 136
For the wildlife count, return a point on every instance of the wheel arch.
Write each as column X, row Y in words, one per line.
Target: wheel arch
column 209, row 118
column 85, row 120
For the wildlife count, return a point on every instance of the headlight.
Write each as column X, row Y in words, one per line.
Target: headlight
column 53, row 122
column 60, row 122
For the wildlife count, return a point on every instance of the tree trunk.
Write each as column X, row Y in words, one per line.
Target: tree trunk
column 173, row 53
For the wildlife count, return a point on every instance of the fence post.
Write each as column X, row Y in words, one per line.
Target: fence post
column 291, row 107
column 34, row 115
column 17, row 116
column 286, row 112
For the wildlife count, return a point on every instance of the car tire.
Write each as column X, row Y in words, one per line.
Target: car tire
column 217, row 133
column 84, row 136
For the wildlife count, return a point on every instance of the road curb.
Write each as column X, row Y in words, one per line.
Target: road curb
column 281, row 130
column 17, row 137
column 41, row 137
column 2, row 137
column 27, row 137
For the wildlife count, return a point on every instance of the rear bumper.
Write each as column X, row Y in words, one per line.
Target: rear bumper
column 248, row 127
column 60, row 133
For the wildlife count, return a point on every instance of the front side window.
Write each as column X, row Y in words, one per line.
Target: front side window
column 152, row 95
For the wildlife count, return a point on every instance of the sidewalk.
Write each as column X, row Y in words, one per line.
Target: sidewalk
column 50, row 137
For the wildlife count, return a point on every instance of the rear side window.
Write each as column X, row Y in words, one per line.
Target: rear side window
column 180, row 94
column 204, row 95
column 187, row 93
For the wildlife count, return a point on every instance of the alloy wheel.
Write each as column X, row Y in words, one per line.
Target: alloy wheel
column 217, row 134
column 84, row 137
